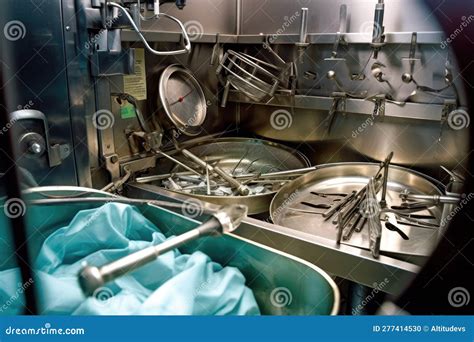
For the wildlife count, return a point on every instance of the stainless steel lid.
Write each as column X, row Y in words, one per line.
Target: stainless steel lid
column 183, row 99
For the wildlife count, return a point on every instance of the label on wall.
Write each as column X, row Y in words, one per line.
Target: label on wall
column 135, row 85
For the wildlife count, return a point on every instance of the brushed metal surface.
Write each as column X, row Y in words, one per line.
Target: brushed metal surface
column 344, row 261
column 242, row 156
column 344, row 178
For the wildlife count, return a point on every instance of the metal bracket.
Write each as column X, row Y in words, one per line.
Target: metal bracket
column 379, row 110
column 216, row 51
column 412, row 57
column 56, row 152
column 339, row 99
column 449, row 106
column 111, row 63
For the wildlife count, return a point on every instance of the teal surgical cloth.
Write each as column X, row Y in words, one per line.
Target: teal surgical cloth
column 173, row 284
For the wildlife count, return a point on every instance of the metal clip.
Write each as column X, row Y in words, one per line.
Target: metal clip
column 338, row 99
column 379, row 110
column 215, row 51
column 411, row 58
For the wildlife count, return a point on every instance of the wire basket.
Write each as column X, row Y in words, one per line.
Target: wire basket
column 255, row 78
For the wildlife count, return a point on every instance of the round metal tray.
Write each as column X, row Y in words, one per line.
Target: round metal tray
column 183, row 99
column 287, row 208
column 243, row 156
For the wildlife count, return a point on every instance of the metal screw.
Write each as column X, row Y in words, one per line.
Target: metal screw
column 407, row 78
column 35, row 148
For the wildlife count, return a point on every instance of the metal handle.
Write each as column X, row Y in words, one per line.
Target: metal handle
column 187, row 42
column 342, row 29
column 241, row 189
column 92, row 278
column 226, row 220
column 343, row 19
column 304, row 25
column 435, row 199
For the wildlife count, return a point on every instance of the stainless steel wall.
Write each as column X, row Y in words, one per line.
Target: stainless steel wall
column 421, row 144
column 267, row 16
column 73, row 96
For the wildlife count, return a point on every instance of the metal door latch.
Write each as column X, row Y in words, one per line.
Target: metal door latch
column 36, row 144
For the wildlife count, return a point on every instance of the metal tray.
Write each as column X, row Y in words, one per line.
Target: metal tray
column 344, row 178
column 246, row 155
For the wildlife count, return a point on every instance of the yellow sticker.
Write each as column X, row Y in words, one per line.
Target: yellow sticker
column 135, row 84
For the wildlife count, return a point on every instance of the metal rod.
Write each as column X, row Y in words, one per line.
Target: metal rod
column 375, row 226
column 241, row 189
column 149, row 179
column 208, row 182
column 383, row 201
column 339, row 206
column 304, row 25
column 339, row 228
column 92, row 278
column 434, row 199
column 282, row 173
column 378, row 32
column 134, row 201
column 238, row 17
column 17, row 220
column 342, row 29
column 362, row 192
column 178, row 162
column 226, row 220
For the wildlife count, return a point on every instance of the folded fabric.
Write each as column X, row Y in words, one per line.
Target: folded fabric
column 173, row 284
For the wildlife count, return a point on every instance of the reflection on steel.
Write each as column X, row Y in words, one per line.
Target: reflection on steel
column 347, row 177
column 225, row 221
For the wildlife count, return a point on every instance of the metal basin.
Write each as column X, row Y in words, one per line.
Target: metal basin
column 243, row 156
column 282, row 284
